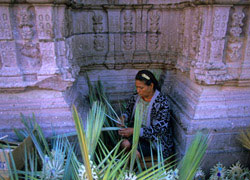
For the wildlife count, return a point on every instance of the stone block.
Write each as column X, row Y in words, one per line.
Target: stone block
column 8, row 59
column 49, row 66
column 221, row 111
column 49, row 107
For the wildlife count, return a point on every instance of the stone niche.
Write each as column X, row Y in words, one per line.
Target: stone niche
column 202, row 47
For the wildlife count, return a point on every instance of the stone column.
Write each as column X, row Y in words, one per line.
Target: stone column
column 206, row 92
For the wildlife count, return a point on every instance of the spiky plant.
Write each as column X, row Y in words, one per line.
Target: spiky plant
column 193, row 156
column 235, row 171
column 95, row 120
column 199, row 175
column 83, row 143
column 136, row 133
column 53, row 167
column 112, row 163
column 218, row 172
column 244, row 138
column 97, row 93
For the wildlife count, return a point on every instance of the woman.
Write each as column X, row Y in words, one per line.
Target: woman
column 155, row 120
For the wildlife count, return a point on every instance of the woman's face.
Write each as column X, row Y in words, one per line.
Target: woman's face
column 143, row 90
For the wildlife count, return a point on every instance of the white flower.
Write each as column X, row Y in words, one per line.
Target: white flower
column 171, row 175
column 129, row 176
column 83, row 174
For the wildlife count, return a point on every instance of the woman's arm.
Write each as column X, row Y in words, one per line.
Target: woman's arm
column 129, row 110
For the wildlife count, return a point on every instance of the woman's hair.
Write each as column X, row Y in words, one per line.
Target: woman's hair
column 147, row 77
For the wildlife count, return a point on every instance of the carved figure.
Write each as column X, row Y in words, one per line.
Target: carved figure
column 27, row 32
column 97, row 23
column 128, row 41
column 99, row 43
column 5, row 29
column 128, row 22
column 233, row 49
column 234, row 42
column 154, row 21
column 30, row 49
column 31, row 61
column 153, row 41
column 24, row 17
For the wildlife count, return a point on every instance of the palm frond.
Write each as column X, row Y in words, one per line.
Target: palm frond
column 82, row 142
column 136, row 133
column 244, row 138
column 95, row 120
column 193, row 157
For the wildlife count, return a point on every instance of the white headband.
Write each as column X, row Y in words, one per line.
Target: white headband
column 145, row 76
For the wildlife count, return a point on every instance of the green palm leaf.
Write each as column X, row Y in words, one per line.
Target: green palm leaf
column 82, row 142
column 192, row 158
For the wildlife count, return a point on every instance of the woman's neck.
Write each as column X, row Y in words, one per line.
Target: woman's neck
column 148, row 98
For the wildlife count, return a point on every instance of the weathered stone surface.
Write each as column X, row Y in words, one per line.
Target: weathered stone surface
column 221, row 110
column 49, row 107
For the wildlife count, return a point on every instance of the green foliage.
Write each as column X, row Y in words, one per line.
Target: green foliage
column 59, row 161
column 244, row 138
column 97, row 93
column 82, row 142
column 95, row 120
column 136, row 133
column 192, row 158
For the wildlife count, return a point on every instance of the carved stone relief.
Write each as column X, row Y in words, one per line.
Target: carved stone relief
column 184, row 40
column 99, row 42
column 128, row 21
column 195, row 34
column 234, row 41
column 49, row 66
column 30, row 60
column 30, row 56
column 154, row 20
column 181, row 32
column 210, row 68
column 8, row 59
column 154, row 28
column 98, row 28
column 44, row 22
column 97, row 23
column 5, row 28
column 219, row 32
column 25, row 23
column 127, row 42
column 63, row 61
column 153, row 42
column 127, row 38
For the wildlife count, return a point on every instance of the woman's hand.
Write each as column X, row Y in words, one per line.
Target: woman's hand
column 126, row 132
column 121, row 119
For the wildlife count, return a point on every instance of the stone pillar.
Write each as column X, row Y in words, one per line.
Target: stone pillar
column 208, row 90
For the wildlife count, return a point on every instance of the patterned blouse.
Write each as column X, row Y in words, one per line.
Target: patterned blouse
column 158, row 121
column 144, row 105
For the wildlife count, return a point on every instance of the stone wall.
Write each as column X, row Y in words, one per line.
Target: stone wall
column 34, row 68
column 202, row 46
